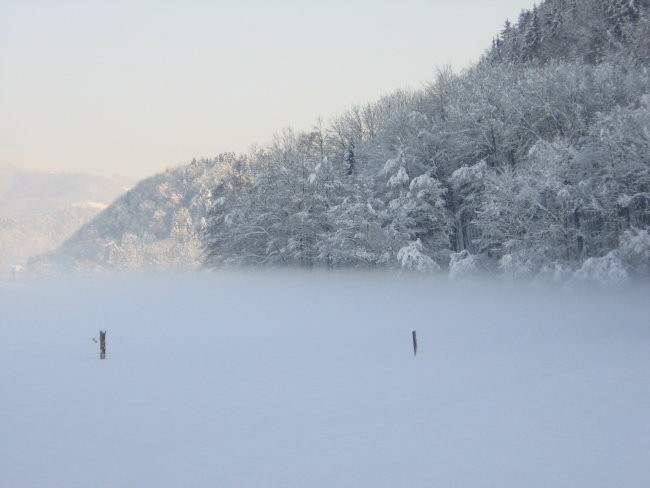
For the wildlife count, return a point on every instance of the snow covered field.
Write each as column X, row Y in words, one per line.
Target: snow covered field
column 292, row 380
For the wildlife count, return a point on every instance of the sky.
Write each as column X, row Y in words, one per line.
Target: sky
column 134, row 87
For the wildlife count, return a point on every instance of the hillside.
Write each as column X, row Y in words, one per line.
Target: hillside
column 26, row 194
column 39, row 210
column 532, row 163
column 589, row 31
column 155, row 225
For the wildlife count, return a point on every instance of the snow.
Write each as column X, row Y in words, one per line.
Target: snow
column 411, row 257
column 606, row 271
column 294, row 380
column 468, row 174
column 401, row 178
column 463, row 265
column 90, row 204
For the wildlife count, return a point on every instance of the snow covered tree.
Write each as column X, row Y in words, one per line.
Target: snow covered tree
column 467, row 185
column 350, row 159
column 412, row 258
column 532, row 37
column 356, row 237
column 621, row 13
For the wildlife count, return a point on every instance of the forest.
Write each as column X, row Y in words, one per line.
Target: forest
column 532, row 163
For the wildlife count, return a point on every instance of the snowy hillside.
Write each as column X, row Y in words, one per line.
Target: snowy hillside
column 25, row 194
column 155, row 225
column 533, row 163
column 310, row 381
column 39, row 210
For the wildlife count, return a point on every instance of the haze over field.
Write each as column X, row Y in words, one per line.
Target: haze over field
column 292, row 380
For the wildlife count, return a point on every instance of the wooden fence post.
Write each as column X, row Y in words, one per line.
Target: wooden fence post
column 415, row 344
column 102, row 344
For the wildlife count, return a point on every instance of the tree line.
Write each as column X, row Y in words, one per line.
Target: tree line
column 534, row 162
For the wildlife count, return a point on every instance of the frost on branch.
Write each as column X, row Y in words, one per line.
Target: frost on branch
column 606, row 271
column 401, row 178
column 468, row 174
column 514, row 265
column 463, row 264
column 412, row 258
column 554, row 273
column 635, row 250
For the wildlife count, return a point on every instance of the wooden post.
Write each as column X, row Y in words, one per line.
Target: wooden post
column 415, row 344
column 102, row 344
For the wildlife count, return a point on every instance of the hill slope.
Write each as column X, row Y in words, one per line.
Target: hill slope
column 589, row 31
column 534, row 162
column 531, row 163
column 155, row 225
column 39, row 210
column 26, row 194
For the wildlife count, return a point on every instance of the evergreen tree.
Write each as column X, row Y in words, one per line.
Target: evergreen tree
column 350, row 159
column 532, row 38
column 619, row 14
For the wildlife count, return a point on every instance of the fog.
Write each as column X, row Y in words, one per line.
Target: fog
column 309, row 379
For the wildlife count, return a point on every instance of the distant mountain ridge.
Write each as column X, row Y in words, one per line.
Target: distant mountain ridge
column 155, row 225
column 39, row 210
column 26, row 194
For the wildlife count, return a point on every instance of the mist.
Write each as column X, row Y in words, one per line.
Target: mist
column 276, row 378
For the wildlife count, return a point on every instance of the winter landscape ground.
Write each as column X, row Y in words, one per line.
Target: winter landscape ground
column 293, row 380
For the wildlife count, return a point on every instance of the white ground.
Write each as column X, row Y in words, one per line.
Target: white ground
column 309, row 380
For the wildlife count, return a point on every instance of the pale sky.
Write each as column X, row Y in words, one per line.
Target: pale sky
column 133, row 87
